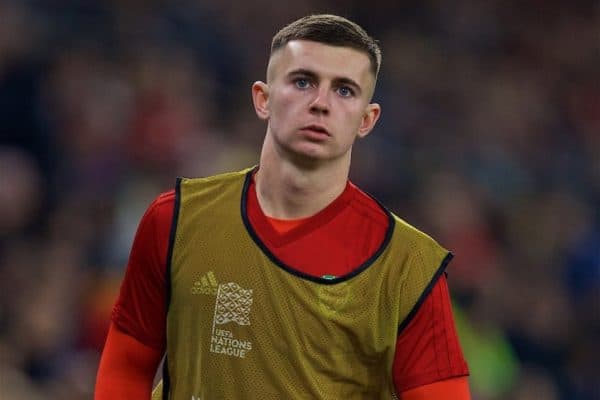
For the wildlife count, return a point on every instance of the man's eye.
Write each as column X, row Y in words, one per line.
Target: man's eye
column 345, row 91
column 302, row 83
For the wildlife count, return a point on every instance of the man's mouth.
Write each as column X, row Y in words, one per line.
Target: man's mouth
column 316, row 128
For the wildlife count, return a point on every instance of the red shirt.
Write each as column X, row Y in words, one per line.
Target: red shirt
column 342, row 236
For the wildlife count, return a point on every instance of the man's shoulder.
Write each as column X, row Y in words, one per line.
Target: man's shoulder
column 418, row 243
column 368, row 206
column 372, row 207
column 215, row 179
column 165, row 201
column 410, row 229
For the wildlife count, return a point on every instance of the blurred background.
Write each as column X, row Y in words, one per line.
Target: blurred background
column 489, row 140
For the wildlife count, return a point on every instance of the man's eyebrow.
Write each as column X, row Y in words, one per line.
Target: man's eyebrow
column 312, row 75
column 303, row 72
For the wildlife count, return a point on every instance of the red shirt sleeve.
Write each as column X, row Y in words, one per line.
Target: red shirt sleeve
column 428, row 349
column 127, row 368
column 449, row 389
column 140, row 310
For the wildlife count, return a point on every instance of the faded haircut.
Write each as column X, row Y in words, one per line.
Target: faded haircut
column 332, row 30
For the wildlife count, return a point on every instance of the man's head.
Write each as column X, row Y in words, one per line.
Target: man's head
column 332, row 30
column 320, row 82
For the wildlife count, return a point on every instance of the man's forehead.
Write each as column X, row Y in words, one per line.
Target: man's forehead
column 312, row 55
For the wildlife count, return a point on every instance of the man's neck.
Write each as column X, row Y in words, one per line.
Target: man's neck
column 287, row 191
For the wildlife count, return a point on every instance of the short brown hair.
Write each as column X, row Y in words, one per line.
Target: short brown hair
column 332, row 30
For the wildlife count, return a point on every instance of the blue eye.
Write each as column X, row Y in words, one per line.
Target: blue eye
column 345, row 91
column 302, row 83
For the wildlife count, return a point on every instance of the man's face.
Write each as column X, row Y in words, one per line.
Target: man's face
column 316, row 100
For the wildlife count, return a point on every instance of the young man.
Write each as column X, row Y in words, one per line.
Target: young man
column 286, row 280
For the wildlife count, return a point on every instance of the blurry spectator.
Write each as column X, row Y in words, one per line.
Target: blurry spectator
column 21, row 195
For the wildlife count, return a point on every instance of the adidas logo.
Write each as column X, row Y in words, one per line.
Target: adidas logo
column 206, row 285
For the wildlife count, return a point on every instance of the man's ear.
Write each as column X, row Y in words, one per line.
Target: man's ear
column 260, row 98
column 372, row 113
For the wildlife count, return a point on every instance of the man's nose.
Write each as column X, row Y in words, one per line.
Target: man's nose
column 320, row 103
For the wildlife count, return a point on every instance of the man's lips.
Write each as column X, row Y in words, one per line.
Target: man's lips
column 316, row 128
